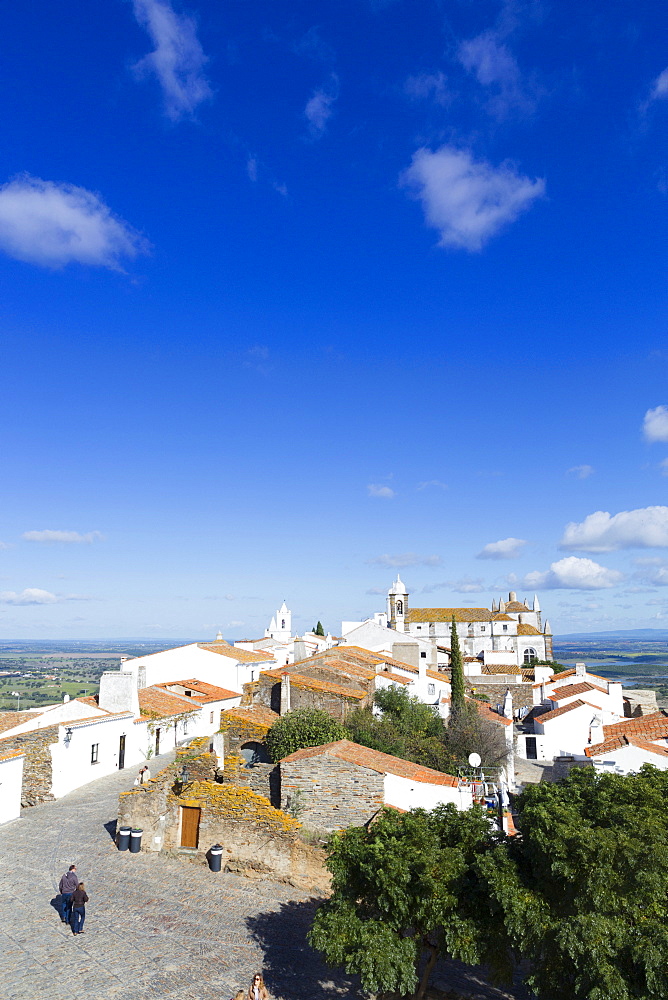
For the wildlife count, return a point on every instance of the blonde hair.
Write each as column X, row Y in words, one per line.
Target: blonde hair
column 82, row 886
column 262, row 988
column 239, row 994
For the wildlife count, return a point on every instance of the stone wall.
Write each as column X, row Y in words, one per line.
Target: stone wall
column 337, row 705
column 258, row 840
column 522, row 693
column 37, row 767
column 331, row 794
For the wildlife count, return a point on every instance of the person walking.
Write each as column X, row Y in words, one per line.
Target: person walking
column 68, row 883
column 257, row 990
column 79, row 900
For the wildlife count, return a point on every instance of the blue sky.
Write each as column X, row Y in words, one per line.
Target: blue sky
column 297, row 295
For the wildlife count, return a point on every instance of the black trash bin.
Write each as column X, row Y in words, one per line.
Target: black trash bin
column 135, row 841
column 123, row 838
column 215, row 857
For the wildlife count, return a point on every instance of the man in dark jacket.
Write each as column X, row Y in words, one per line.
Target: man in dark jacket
column 68, row 883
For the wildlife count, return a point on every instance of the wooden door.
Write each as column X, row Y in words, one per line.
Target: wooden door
column 157, row 742
column 121, row 753
column 190, row 826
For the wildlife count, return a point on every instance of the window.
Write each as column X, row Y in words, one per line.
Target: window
column 529, row 655
column 282, row 622
column 189, row 694
column 482, row 628
column 423, row 655
column 431, row 689
column 94, row 751
column 505, row 628
column 211, row 717
column 400, row 607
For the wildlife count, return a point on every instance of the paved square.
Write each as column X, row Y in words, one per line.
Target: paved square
column 156, row 926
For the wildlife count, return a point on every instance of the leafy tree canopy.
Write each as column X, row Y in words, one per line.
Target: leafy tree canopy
column 584, row 890
column 305, row 727
column 406, row 886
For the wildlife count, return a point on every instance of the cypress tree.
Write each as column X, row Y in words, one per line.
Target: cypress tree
column 319, row 630
column 458, row 692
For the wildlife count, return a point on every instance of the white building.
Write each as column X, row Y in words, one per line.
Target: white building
column 279, row 643
column 280, row 626
column 627, row 746
column 11, row 776
column 215, row 662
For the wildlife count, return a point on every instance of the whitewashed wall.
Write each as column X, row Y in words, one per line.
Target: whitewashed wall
column 192, row 662
column 407, row 794
column 11, row 777
column 629, row 760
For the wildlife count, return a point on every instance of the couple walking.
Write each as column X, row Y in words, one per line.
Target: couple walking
column 73, row 899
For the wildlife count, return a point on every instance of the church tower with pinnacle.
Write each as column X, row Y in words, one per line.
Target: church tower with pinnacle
column 280, row 626
column 397, row 605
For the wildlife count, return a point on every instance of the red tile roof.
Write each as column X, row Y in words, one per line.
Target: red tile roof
column 621, row 741
column 384, row 763
column 257, row 714
column 202, row 691
column 568, row 690
column 10, row 719
column 155, row 702
column 395, row 678
column 556, row 712
column 488, row 713
column 241, row 655
column 654, row 726
column 524, row 629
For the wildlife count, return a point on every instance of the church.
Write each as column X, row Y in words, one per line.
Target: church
column 510, row 632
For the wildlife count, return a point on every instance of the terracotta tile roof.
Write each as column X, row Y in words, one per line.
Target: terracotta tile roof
column 621, row 741
column 91, row 700
column 424, row 615
column 202, row 692
column 395, row 678
column 501, row 617
column 438, row 675
column 368, row 656
column 488, row 713
column 654, row 726
column 384, row 763
column 556, row 712
column 155, row 702
column 353, row 669
column 275, row 672
column 10, row 754
column 257, row 714
column 10, row 719
column 568, row 690
column 528, row 673
column 241, row 655
column 524, row 629
column 516, row 606
column 501, row 668
column 299, row 681
column 559, row 677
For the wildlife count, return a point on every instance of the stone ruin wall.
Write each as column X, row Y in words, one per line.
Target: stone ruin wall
column 329, row 793
column 37, row 766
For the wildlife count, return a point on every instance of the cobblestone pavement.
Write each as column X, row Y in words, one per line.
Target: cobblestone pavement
column 156, row 926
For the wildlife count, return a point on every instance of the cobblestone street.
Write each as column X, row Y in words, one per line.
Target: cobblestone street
column 156, row 926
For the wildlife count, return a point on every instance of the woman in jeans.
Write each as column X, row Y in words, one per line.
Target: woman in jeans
column 79, row 900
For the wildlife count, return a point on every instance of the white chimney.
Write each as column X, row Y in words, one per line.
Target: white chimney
column 66, row 698
column 581, row 670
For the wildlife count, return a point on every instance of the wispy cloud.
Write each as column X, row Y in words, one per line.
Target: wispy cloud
column 432, row 482
column 489, row 59
column 644, row 528
column 57, row 224
column 505, row 548
column 320, row 107
column 33, row 595
column 467, row 585
column 581, row 471
column 177, row 60
column 68, row 537
column 574, row 573
column 658, row 90
column 652, row 572
column 405, row 559
column 468, row 201
column 380, row 490
column 655, row 424
column 428, row 86
column 251, row 167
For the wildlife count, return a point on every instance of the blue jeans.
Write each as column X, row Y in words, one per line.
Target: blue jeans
column 78, row 917
column 65, row 906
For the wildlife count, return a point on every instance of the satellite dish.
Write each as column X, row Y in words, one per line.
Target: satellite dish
column 475, row 759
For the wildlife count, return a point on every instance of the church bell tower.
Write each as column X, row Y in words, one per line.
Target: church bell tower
column 397, row 605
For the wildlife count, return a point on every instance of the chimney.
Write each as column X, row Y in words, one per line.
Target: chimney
column 118, row 692
column 581, row 670
column 285, row 693
column 502, row 607
column 512, row 596
column 66, row 698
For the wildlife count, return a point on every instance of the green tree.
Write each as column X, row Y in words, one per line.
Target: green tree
column 458, row 688
column 584, row 889
column 319, row 630
column 305, row 727
column 405, row 888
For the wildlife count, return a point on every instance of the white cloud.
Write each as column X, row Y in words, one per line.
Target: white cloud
column 379, row 490
column 581, row 471
column 69, row 537
column 251, row 167
column 376, row 590
column 645, row 528
column 432, row 482
column 427, row 86
column 178, row 58
column 489, row 59
column 4, row 545
column 467, row 585
column 505, row 548
column 320, row 107
column 655, row 424
column 56, row 224
column 652, row 572
column 468, row 201
column 660, row 87
column 663, row 465
column 33, row 595
column 573, row 573
column 405, row 559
